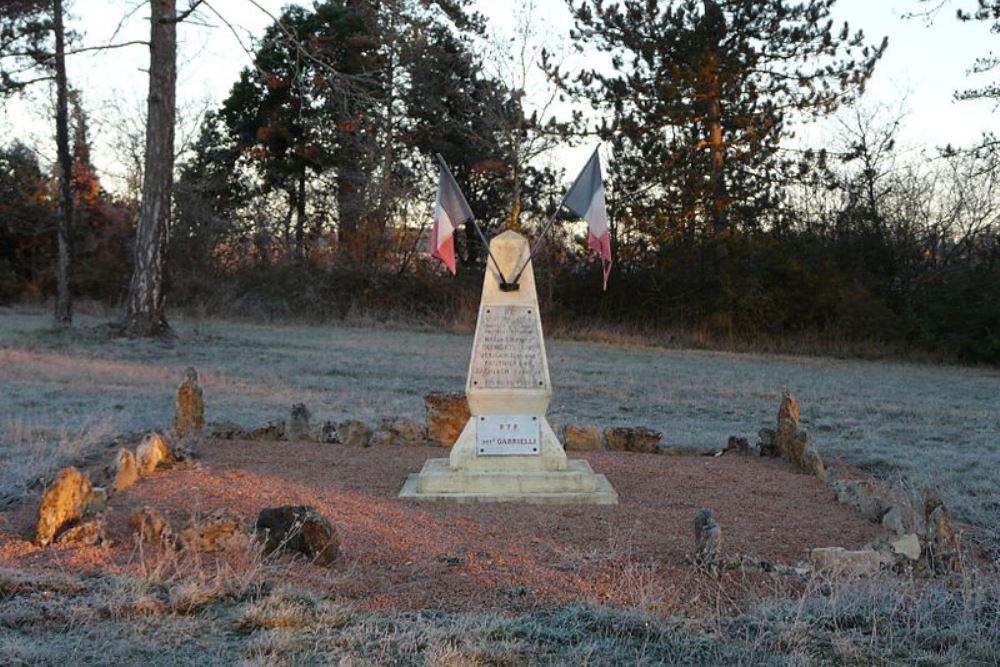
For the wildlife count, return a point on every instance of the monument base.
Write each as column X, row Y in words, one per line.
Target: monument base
column 577, row 484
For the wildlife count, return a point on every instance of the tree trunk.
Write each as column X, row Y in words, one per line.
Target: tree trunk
column 300, row 216
column 64, row 260
column 349, row 193
column 144, row 308
column 716, row 142
column 714, row 31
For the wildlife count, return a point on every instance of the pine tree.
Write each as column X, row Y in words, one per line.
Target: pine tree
column 987, row 11
column 700, row 95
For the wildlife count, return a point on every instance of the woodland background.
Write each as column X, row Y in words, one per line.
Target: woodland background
column 308, row 193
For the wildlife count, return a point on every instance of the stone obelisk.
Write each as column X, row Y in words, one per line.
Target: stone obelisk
column 507, row 450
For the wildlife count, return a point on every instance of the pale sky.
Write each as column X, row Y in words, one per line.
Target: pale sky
column 925, row 64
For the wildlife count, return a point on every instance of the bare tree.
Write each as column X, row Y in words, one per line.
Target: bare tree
column 528, row 129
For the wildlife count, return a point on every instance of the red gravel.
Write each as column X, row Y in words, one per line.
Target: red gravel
column 503, row 557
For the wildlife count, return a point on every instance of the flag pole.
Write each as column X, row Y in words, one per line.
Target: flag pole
column 552, row 219
column 504, row 285
column 538, row 241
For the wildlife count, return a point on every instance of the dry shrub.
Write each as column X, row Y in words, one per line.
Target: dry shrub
column 31, row 452
column 290, row 607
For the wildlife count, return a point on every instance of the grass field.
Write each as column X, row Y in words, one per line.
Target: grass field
column 920, row 426
column 63, row 392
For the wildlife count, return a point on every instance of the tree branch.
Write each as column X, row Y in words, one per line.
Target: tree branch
column 187, row 12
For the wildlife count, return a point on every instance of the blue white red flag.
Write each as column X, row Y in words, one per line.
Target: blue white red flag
column 586, row 200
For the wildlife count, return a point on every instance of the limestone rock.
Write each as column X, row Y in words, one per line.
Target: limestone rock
column 447, row 413
column 86, row 534
column 151, row 453
column 893, row 520
column 226, row 430
column 98, row 500
column 942, row 542
column 189, row 408
column 65, row 501
column 325, row 432
column 297, row 426
column 767, row 443
column 581, row 438
column 707, row 539
column 354, row 433
column 219, row 531
column 908, row 546
column 812, row 463
column 149, row 526
column 746, row 562
column 182, row 454
column 626, row 439
column 788, row 426
column 271, row 431
column 399, row 431
column 797, row 447
column 840, row 561
column 298, row 529
column 859, row 495
column 737, row 445
column 126, row 470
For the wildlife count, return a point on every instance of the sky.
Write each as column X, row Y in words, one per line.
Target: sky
column 924, row 65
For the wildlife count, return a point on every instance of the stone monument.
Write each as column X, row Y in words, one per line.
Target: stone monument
column 507, row 450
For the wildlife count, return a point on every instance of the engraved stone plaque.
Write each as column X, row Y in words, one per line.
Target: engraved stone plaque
column 507, row 353
column 505, row 435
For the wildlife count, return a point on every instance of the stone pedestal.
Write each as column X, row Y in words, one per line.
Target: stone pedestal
column 507, row 450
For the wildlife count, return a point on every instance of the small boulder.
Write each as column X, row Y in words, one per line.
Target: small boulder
column 707, row 540
column 893, row 520
column 907, row 546
column 798, row 445
column 399, row 431
column 271, row 431
column 65, row 501
column 737, row 445
column 626, row 439
column 840, row 561
column 189, row 408
column 151, row 453
column 86, row 534
column 788, row 426
column 354, row 433
column 859, row 495
column 98, row 501
column 126, row 470
column 767, row 442
column 298, row 529
column 324, row 432
column 812, row 463
column 219, row 531
column 942, row 542
column 297, row 426
column 447, row 414
column 581, row 438
column 746, row 562
column 149, row 526
column 226, row 430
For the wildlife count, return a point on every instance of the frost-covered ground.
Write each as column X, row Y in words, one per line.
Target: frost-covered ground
column 928, row 425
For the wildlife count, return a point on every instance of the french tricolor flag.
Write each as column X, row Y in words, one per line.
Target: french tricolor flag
column 586, row 200
column 450, row 211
